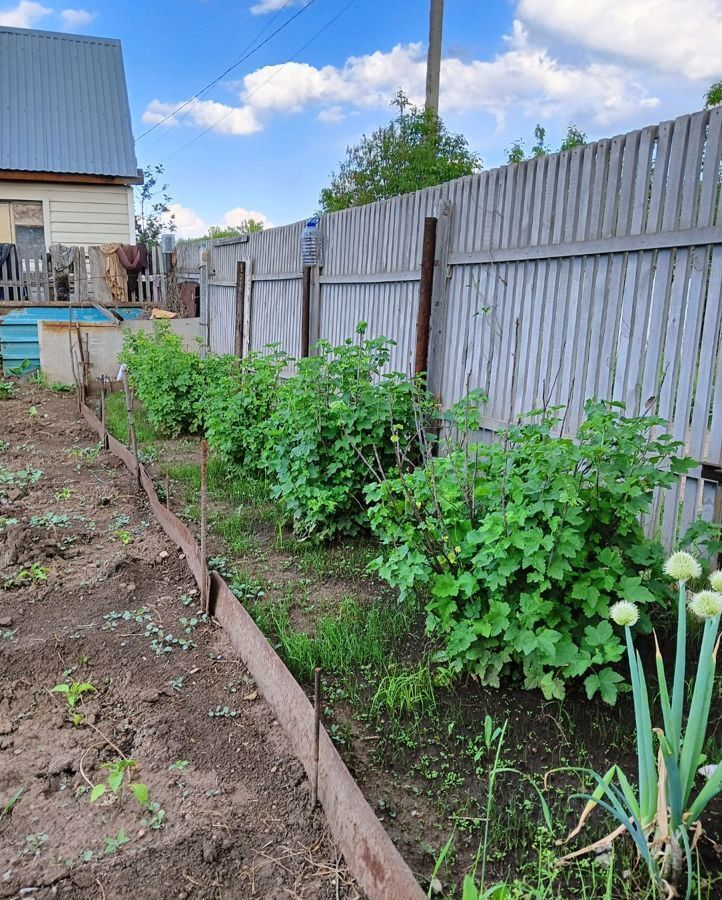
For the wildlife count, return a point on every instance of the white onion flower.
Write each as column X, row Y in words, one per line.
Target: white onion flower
column 706, row 604
column 624, row 613
column 715, row 579
column 682, row 566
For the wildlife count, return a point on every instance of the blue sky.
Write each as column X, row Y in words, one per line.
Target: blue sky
column 266, row 137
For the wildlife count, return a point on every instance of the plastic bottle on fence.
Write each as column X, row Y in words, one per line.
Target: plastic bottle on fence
column 311, row 243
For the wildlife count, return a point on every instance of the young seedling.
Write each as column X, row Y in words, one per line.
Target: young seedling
column 34, row 844
column 117, row 772
column 49, row 520
column 222, row 712
column 125, row 537
column 115, row 843
column 34, row 574
column 74, row 692
column 7, row 389
column 12, row 803
column 157, row 819
column 180, row 765
column 64, row 493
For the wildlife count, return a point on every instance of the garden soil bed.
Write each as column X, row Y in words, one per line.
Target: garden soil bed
column 84, row 550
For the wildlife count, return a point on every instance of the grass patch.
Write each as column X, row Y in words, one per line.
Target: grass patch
column 405, row 691
column 116, row 420
column 354, row 638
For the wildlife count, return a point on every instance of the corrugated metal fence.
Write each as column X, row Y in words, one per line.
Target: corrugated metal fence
column 596, row 272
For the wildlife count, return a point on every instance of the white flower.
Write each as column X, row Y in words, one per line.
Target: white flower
column 707, row 771
column 706, row 604
column 715, row 579
column 682, row 566
column 624, row 613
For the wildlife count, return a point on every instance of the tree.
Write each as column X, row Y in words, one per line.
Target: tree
column 415, row 150
column 573, row 138
column 245, row 226
column 153, row 204
column 713, row 97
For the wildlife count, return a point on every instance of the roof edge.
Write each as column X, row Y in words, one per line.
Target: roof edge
column 64, row 35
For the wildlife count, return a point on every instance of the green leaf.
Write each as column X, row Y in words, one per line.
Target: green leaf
column 445, row 585
column 632, row 589
column 597, row 635
column 141, row 793
column 98, row 791
column 115, row 780
column 552, row 687
column 605, row 681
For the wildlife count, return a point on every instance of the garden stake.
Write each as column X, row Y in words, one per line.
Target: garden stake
column 102, row 411
column 167, row 491
column 132, row 439
column 204, row 524
column 316, row 734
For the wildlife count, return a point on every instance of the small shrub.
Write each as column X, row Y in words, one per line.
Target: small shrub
column 524, row 545
column 167, row 379
column 240, row 398
column 336, row 418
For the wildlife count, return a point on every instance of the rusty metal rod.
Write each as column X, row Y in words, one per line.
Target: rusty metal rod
column 423, row 322
column 316, row 734
column 204, row 524
column 103, row 388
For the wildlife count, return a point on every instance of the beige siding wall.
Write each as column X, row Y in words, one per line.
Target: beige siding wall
column 79, row 213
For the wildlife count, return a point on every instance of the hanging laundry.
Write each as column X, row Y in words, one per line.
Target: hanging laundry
column 10, row 271
column 134, row 257
column 115, row 273
column 64, row 261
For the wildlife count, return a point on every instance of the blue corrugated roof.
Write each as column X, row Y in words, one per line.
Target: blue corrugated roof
column 64, row 104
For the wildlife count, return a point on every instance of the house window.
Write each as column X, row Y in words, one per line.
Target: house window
column 21, row 223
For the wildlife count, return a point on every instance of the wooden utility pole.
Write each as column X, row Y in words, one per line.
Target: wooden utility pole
column 433, row 64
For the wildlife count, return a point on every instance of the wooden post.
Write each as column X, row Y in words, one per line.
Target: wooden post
column 316, row 734
column 306, row 311
column 204, row 525
column 439, row 298
column 423, row 321
column 204, row 310
column 240, row 305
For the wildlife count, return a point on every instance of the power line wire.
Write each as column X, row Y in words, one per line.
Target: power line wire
column 247, row 53
column 263, row 83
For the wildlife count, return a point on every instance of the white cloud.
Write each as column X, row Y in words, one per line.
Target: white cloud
column 221, row 117
column 73, row 19
column 266, row 6
column 332, row 115
column 188, row 222
column 25, row 15
column 239, row 215
column 525, row 78
column 677, row 36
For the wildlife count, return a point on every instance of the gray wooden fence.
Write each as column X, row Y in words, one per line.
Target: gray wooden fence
column 591, row 273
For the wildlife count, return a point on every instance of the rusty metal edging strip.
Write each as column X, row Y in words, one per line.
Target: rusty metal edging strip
column 370, row 854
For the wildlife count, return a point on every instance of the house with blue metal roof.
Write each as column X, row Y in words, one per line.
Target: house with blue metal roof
column 67, row 157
